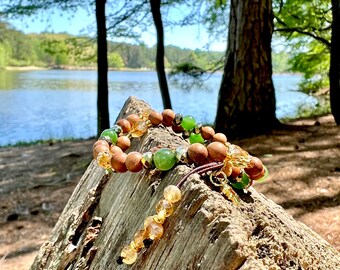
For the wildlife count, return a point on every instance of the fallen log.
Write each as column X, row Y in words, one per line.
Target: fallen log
column 206, row 231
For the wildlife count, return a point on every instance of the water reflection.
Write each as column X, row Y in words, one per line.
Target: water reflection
column 47, row 104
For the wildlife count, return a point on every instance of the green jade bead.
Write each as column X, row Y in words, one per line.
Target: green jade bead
column 164, row 159
column 195, row 138
column 111, row 134
column 188, row 122
column 244, row 183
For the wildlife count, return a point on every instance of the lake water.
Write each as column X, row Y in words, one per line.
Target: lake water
column 39, row 105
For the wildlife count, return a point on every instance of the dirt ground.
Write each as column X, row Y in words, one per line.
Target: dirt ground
column 36, row 182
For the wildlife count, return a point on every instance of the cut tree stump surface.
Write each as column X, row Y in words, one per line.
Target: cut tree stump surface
column 206, row 231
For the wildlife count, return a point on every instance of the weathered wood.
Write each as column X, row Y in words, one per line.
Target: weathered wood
column 205, row 232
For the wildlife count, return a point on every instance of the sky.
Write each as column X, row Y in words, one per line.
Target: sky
column 193, row 37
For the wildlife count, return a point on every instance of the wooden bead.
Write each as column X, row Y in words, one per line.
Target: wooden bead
column 118, row 162
column 168, row 117
column 98, row 149
column 207, row 133
column 257, row 176
column 217, row 151
column 177, row 128
column 125, row 125
column 115, row 149
column 134, row 119
column 220, row 137
column 197, row 153
column 100, row 142
column 155, row 118
column 123, row 142
column 235, row 172
column 133, row 162
column 256, row 166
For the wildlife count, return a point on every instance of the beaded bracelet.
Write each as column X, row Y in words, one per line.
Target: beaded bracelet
column 229, row 166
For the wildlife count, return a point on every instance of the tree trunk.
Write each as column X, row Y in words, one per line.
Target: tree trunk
column 334, row 72
column 246, row 102
column 103, row 117
column 206, row 231
column 163, row 85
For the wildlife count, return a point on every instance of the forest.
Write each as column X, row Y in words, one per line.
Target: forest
column 62, row 50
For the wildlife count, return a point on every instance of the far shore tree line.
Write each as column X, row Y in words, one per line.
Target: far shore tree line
column 246, row 102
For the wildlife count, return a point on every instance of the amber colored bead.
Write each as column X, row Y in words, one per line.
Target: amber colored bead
column 137, row 243
column 155, row 118
column 115, row 149
column 104, row 160
column 207, row 133
column 235, row 172
column 125, row 125
column 164, row 208
column 138, row 129
column 133, row 119
column 133, row 162
column 118, row 162
column 172, row 194
column 98, row 149
column 256, row 166
column 168, row 117
column 197, row 153
column 220, row 137
column 154, row 230
column 123, row 142
column 177, row 128
column 217, row 151
column 100, row 142
column 129, row 255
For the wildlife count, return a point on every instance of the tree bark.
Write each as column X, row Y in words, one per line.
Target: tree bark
column 334, row 72
column 206, row 231
column 163, row 85
column 246, row 103
column 103, row 118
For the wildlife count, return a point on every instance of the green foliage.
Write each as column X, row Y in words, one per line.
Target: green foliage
column 115, row 60
column 280, row 62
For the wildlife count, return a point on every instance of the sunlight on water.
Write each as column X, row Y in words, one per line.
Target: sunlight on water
column 38, row 105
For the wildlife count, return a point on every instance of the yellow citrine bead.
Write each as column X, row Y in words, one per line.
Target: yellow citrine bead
column 129, row 255
column 172, row 194
column 164, row 208
column 104, row 160
column 139, row 129
column 154, row 230
column 138, row 239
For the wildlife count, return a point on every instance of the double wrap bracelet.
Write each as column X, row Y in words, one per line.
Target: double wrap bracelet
column 228, row 166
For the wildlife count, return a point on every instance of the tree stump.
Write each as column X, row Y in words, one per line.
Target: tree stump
column 206, row 231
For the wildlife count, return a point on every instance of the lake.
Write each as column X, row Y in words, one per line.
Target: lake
column 45, row 104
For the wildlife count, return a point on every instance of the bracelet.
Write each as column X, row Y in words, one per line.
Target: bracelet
column 228, row 166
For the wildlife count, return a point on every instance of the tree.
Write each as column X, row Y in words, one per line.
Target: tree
column 334, row 71
column 115, row 60
column 246, row 103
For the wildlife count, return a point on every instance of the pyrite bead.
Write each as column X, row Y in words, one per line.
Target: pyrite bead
column 118, row 162
column 217, row 151
column 188, row 122
column 133, row 162
column 181, row 154
column 164, row 159
column 123, row 142
column 168, row 117
column 155, row 118
column 118, row 129
column 197, row 153
column 207, row 133
column 129, row 255
column 198, row 128
column 178, row 119
column 125, row 125
column 220, row 137
column 172, row 194
column 147, row 160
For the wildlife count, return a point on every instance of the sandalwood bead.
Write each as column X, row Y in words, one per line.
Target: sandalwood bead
column 168, row 117
column 115, row 149
column 123, row 142
column 256, row 166
column 125, row 125
column 98, row 149
column 177, row 128
column 257, row 176
column 235, row 172
column 100, row 142
column 118, row 162
column 155, row 118
column 134, row 119
column 207, row 133
column 220, row 137
column 217, row 151
column 197, row 153
column 133, row 162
